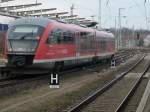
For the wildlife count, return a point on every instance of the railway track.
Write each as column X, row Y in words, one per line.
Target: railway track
column 123, row 55
column 113, row 96
column 91, row 71
column 7, row 83
column 20, row 80
column 11, row 81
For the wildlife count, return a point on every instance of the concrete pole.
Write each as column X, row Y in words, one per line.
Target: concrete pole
column 99, row 14
column 72, row 10
column 120, row 28
column 116, row 37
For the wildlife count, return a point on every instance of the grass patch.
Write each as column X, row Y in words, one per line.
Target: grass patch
column 65, row 101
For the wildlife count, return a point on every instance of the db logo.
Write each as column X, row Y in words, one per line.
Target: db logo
column 54, row 81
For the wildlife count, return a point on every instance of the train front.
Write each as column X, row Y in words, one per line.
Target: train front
column 23, row 38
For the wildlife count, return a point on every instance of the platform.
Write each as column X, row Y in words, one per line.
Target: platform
column 145, row 101
column 147, row 106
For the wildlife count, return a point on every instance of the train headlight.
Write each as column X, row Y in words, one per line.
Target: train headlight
column 32, row 49
column 38, row 38
column 10, row 49
column 25, row 49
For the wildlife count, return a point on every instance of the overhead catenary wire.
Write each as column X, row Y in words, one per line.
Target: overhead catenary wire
column 146, row 17
column 107, row 2
column 144, row 12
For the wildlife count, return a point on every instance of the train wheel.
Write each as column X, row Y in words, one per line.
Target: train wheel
column 58, row 67
column 94, row 60
column 4, row 75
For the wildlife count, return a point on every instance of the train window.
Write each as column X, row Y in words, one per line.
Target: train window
column 52, row 38
column 83, row 34
column 15, row 32
column 58, row 36
column 26, row 29
column 103, row 45
column 67, row 37
column 87, row 41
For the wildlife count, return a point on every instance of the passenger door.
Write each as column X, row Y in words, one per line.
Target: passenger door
column 77, row 44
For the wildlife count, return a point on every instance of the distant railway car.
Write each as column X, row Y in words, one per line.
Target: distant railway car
column 147, row 41
column 33, row 42
column 3, row 27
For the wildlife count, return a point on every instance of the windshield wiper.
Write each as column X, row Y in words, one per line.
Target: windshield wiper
column 22, row 37
column 10, row 45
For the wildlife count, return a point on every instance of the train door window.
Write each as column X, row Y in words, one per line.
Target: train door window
column 54, row 36
column 51, row 38
column 83, row 41
column 90, row 39
column 68, row 37
column 87, row 39
column 59, row 36
column 103, row 45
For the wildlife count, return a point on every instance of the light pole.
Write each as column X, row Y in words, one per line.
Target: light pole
column 116, row 33
column 92, row 17
column 72, row 10
column 119, row 32
column 99, row 14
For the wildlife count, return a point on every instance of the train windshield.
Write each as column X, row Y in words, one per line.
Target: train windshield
column 24, row 38
column 33, row 31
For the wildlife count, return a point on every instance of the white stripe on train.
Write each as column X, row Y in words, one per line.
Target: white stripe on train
column 100, row 56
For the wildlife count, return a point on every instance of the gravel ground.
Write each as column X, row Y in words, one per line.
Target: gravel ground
column 28, row 85
column 139, row 69
column 29, row 100
column 114, row 95
column 45, row 91
column 147, row 108
column 117, row 93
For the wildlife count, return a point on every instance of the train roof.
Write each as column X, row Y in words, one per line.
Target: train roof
column 41, row 21
column 105, row 34
column 32, row 20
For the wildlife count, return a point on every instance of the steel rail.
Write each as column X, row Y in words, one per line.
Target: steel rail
column 92, row 97
column 132, row 91
column 12, row 81
column 8, row 82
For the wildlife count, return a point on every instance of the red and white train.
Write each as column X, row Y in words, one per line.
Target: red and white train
column 33, row 42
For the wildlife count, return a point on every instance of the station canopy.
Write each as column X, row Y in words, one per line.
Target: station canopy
column 69, row 16
column 29, row 12
column 7, row 8
column 50, row 14
column 2, row 1
column 18, row 11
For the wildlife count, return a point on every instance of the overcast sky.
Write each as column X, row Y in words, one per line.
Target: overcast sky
column 134, row 12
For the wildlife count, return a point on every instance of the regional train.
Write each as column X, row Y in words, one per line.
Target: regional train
column 46, row 43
